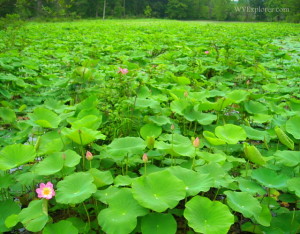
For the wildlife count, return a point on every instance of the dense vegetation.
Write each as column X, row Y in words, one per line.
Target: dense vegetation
column 150, row 126
column 266, row 10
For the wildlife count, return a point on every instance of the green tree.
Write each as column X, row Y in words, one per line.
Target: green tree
column 177, row 9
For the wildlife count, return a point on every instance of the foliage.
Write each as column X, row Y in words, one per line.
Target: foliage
column 142, row 126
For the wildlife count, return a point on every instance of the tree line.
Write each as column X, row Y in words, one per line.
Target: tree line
column 225, row 10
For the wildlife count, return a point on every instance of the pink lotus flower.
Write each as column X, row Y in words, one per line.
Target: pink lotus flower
column 206, row 52
column 124, row 71
column 89, row 155
column 196, row 142
column 45, row 191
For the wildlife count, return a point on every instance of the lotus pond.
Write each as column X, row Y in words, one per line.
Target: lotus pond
column 150, row 126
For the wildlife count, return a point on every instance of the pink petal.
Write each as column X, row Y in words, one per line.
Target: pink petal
column 49, row 185
column 42, row 185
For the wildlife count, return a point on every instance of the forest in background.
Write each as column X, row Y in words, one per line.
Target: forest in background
column 222, row 10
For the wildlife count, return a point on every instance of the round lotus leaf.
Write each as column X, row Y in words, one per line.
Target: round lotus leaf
column 121, row 215
column 269, row 178
column 255, row 134
column 250, row 187
column 231, row 133
column 212, row 139
column 7, row 114
column 62, row 227
column 288, row 158
column 35, row 216
column 294, row 185
column 157, row 223
column 194, row 182
column 50, row 165
column 178, row 106
column 150, row 130
column 13, row 156
column 158, row 191
column 244, row 203
column 90, row 121
column 7, row 208
column 101, row 178
column 83, row 136
column 71, row 158
column 254, row 107
column 49, row 143
column 238, row 95
column 44, row 118
column 126, row 145
column 293, row 126
column 75, row 188
column 208, row 217
column 160, row 120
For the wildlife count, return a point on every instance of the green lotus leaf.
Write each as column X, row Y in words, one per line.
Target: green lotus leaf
column 75, row 188
column 44, row 118
column 101, row 178
column 238, row 95
column 159, row 224
column 264, row 217
column 294, row 185
column 82, row 227
column 257, row 135
column 158, row 191
column 203, row 118
column 62, row 227
column 288, row 158
column 293, row 126
column 49, row 143
column 209, row 157
column 150, row 130
column 254, row 107
column 13, row 156
column 269, row 178
column 7, row 114
column 217, row 173
column 231, row 133
column 250, row 187
column 206, row 216
column 121, row 180
column 35, row 216
column 50, row 165
column 261, row 118
column 106, row 194
column 11, row 221
column 178, row 106
column 127, row 145
column 160, row 120
column 194, row 181
column 121, row 215
column 244, row 203
column 83, row 136
column 90, row 121
column 7, row 208
column 212, row 139
column 71, row 158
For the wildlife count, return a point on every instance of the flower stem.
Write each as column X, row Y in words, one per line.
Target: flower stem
column 87, row 214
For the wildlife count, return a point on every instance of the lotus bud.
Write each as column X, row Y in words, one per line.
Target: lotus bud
column 196, row 142
column 89, row 155
column 145, row 158
column 172, row 127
